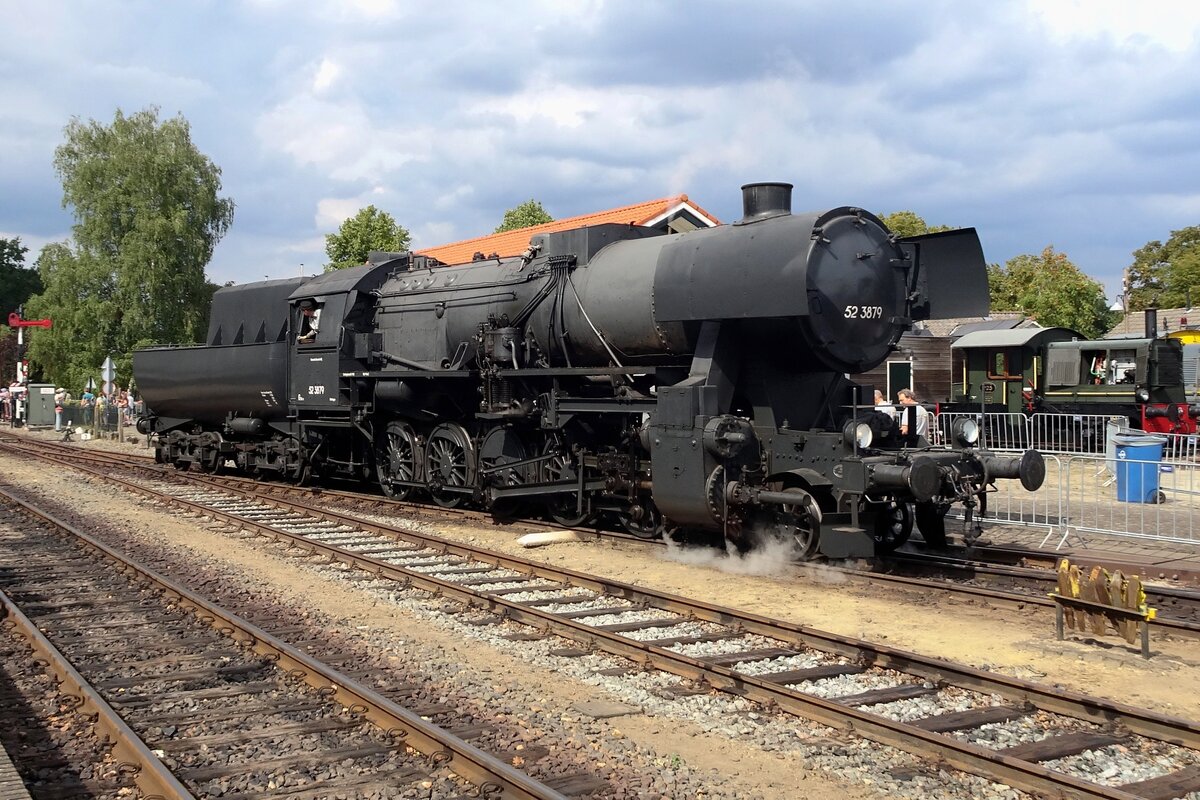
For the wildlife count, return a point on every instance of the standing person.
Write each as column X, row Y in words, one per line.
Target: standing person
column 60, row 397
column 914, row 419
column 882, row 404
column 122, row 402
column 17, row 396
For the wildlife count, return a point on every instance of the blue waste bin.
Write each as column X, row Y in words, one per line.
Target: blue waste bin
column 1138, row 457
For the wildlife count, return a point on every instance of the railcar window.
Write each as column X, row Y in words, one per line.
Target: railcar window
column 310, row 321
column 998, row 364
column 1122, row 366
column 1095, row 365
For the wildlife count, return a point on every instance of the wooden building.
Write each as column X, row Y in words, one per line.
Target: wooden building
column 922, row 363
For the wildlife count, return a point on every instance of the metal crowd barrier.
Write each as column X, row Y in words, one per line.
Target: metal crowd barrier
column 1170, row 515
column 996, row 431
column 1080, row 494
column 1049, row 433
column 1010, row 505
column 76, row 415
column 1180, row 447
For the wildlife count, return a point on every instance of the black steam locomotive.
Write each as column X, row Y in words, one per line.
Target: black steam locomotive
column 676, row 382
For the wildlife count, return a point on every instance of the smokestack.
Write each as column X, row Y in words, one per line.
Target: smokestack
column 762, row 200
column 1151, row 323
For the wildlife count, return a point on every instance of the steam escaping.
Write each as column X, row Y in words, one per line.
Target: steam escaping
column 772, row 558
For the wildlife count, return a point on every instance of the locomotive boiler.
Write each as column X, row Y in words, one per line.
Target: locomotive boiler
column 690, row 382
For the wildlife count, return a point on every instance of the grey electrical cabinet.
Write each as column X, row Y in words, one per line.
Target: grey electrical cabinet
column 40, row 409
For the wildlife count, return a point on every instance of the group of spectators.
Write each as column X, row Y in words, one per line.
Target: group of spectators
column 127, row 404
column 9, row 397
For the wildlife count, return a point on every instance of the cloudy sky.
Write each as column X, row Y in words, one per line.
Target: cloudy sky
column 1072, row 124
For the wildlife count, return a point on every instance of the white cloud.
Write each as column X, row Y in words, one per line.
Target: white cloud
column 333, row 211
column 341, row 137
column 34, row 242
column 327, row 74
column 435, row 233
column 1170, row 24
column 372, row 9
column 453, row 198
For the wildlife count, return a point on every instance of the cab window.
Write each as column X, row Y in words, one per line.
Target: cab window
column 1000, row 364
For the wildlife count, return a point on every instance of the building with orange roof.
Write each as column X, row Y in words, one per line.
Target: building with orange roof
column 671, row 214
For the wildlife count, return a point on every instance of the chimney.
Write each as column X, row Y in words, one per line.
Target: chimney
column 1151, row 323
column 762, row 200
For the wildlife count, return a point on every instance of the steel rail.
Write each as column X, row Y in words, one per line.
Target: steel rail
column 494, row 778
column 1168, row 624
column 129, row 751
column 1029, row 776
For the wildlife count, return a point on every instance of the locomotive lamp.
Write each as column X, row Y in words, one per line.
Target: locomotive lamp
column 965, row 432
column 858, row 434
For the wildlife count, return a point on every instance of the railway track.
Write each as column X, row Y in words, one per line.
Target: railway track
column 1178, row 608
column 1005, row 584
column 199, row 702
column 881, row 693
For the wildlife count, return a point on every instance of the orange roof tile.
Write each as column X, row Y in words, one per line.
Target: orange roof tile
column 513, row 243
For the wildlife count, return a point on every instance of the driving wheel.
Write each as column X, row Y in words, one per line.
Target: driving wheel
column 560, row 466
column 796, row 525
column 396, row 459
column 449, row 464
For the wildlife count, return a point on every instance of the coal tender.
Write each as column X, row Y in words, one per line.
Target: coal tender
column 679, row 384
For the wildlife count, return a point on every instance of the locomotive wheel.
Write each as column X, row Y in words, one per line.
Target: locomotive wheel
column 449, row 461
column 644, row 525
column 796, row 525
column 893, row 525
column 213, row 464
column 562, row 508
column 931, row 520
column 801, row 522
column 396, row 459
column 504, row 445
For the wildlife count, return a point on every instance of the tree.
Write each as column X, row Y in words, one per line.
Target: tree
column 147, row 217
column 17, row 282
column 1052, row 290
column 1166, row 275
column 909, row 223
column 369, row 229
column 526, row 215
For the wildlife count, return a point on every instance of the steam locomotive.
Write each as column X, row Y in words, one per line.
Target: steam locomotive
column 690, row 383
